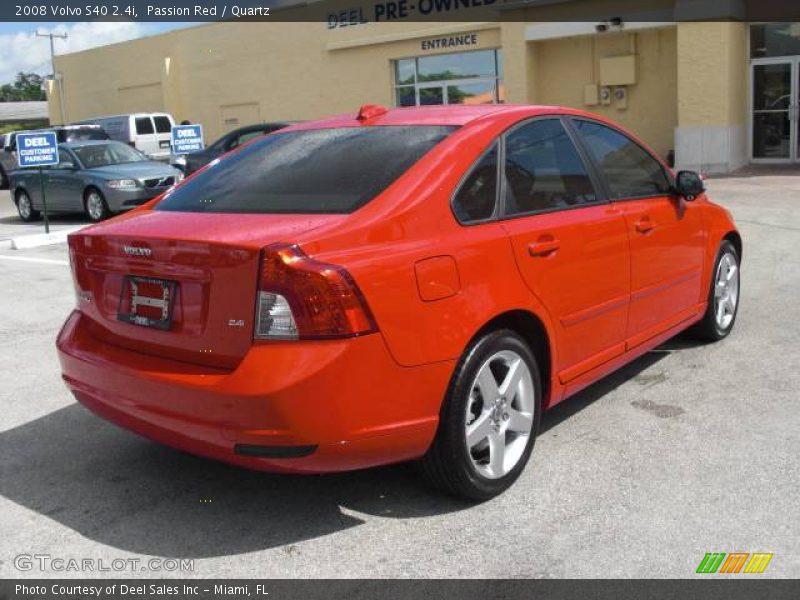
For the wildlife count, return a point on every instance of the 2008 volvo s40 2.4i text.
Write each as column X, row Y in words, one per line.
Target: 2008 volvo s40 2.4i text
column 394, row 285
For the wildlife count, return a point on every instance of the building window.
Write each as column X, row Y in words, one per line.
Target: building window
column 462, row 78
column 774, row 39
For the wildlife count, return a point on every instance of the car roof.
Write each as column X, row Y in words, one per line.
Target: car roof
column 447, row 115
column 81, row 143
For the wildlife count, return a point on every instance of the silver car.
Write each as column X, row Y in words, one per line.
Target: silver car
column 97, row 177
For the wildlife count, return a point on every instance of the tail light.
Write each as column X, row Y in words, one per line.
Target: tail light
column 301, row 298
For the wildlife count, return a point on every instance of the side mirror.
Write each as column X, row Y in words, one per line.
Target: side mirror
column 689, row 184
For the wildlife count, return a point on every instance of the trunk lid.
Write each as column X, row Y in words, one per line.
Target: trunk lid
column 210, row 264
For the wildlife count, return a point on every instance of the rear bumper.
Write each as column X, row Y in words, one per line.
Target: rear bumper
column 314, row 406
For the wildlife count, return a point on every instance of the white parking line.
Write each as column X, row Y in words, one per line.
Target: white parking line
column 46, row 261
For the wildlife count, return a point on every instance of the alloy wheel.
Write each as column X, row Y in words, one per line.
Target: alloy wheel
column 24, row 206
column 726, row 290
column 94, row 206
column 499, row 415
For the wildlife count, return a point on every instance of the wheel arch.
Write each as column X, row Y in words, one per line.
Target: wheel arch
column 89, row 187
column 530, row 327
column 14, row 192
column 736, row 239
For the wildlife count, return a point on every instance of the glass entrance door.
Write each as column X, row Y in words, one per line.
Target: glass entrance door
column 775, row 104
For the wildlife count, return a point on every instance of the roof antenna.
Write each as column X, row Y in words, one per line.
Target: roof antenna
column 370, row 111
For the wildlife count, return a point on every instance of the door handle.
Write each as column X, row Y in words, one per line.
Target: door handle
column 645, row 225
column 544, row 246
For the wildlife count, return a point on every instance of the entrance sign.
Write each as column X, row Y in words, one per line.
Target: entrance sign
column 186, row 139
column 37, row 149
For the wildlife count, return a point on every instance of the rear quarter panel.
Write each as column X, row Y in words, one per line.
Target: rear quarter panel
column 412, row 221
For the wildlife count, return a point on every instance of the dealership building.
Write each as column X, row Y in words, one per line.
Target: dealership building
column 715, row 95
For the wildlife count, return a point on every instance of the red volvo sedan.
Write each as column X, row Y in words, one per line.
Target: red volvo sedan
column 394, row 285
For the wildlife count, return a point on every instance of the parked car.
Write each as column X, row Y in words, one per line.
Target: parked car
column 64, row 133
column 412, row 284
column 147, row 132
column 97, row 177
column 189, row 163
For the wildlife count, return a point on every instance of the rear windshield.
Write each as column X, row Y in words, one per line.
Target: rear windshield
column 301, row 172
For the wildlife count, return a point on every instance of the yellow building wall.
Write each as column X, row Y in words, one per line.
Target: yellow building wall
column 689, row 95
column 713, row 63
column 111, row 79
column 712, row 96
column 289, row 71
column 564, row 66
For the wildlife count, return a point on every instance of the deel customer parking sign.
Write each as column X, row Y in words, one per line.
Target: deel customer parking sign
column 186, row 139
column 37, row 149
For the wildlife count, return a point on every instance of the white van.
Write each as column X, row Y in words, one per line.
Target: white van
column 147, row 132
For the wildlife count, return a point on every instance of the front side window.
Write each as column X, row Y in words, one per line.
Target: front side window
column 476, row 198
column 104, row 155
column 543, row 170
column 322, row 171
column 63, row 158
column 630, row 171
column 144, row 125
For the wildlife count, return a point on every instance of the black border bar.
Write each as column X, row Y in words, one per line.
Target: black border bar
column 370, row 11
column 701, row 587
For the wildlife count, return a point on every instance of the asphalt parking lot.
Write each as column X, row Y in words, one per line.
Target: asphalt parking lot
column 690, row 449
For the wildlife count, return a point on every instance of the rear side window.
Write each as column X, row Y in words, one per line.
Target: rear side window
column 301, row 172
column 144, row 125
column 162, row 124
column 630, row 171
column 246, row 137
column 476, row 198
column 543, row 170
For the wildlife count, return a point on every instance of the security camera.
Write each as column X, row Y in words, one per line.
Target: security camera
column 616, row 22
column 601, row 28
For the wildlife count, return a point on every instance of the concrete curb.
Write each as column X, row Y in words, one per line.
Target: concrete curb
column 41, row 239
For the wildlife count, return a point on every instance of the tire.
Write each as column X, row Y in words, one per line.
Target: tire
column 476, row 473
column 723, row 300
column 25, row 207
column 95, row 206
column 4, row 183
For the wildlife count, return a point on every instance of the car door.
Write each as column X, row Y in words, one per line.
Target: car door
column 666, row 232
column 64, row 183
column 571, row 246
